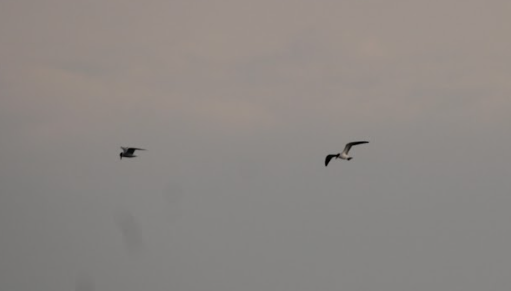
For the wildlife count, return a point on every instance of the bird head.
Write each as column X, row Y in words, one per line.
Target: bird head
column 120, row 156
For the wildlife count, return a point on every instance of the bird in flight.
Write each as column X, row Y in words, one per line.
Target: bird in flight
column 129, row 152
column 344, row 154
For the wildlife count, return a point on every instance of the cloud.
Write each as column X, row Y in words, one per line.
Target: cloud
column 255, row 66
column 258, row 60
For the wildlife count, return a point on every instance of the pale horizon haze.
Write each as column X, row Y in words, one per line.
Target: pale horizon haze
column 237, row 104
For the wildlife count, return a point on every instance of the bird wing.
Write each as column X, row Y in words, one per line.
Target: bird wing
column 328, row 158
column 350, row 144
column 132, row 150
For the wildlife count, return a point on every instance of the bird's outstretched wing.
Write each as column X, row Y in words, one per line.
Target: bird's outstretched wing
column 130, row 151
column 353, row 143
column 328, row 158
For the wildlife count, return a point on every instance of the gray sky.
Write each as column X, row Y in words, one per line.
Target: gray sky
column 238, row 102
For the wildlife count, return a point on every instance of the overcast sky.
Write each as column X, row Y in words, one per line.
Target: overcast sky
column 238, row 103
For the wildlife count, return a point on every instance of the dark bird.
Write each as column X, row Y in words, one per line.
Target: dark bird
column 129, row 152
column 344, row 154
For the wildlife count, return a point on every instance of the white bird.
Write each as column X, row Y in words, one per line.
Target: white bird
column 344, row 154
column 129, row 152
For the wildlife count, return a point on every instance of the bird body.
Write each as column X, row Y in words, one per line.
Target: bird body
column 129, row 152
column 344, row 155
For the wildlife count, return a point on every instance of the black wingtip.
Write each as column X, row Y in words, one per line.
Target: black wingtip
column 328, row 158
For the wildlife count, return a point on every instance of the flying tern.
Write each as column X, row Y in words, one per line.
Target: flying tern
column 344, row 154
column 129, row 152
